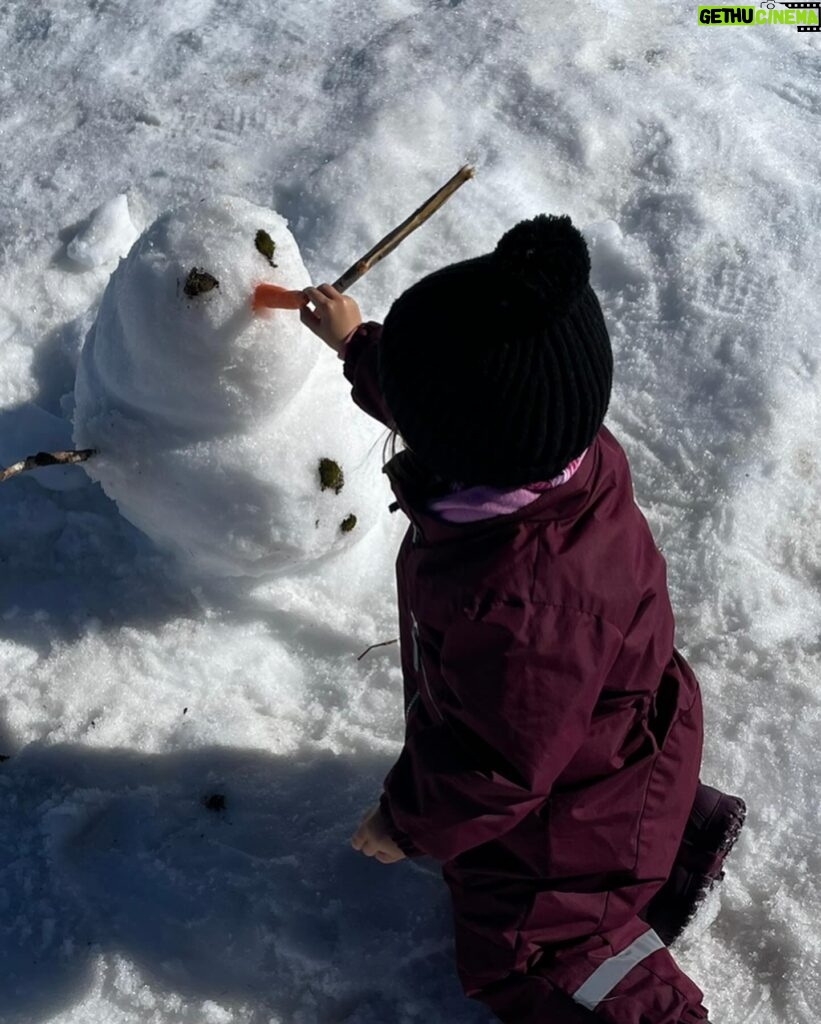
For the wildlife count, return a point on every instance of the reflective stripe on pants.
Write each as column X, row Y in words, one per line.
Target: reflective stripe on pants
column 650, row 986
column 605, row 978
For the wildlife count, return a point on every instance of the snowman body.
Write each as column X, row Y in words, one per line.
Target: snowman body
column 211, row 422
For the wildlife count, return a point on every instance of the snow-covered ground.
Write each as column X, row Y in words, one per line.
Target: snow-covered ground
column 130, row 693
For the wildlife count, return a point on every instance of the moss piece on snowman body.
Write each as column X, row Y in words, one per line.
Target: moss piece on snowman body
column 265, row 245
column 331, row 476
column 199, row 281
column 348, row 523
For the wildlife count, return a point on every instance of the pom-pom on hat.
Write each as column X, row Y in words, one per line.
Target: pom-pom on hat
column 498, row 369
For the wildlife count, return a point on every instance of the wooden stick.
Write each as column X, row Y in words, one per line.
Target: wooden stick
column 351, row 275
column 46, row 459
column 393, row 238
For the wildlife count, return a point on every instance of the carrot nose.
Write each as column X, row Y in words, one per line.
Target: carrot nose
column 271, row 296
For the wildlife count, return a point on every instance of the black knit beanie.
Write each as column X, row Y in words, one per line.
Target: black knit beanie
column 498, row 369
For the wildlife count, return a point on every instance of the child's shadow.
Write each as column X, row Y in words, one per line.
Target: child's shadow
column 252, row 898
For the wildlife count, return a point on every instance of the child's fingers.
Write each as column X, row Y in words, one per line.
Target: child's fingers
column 363, row 838
column 387, row 858
column 316, row 296
column 309, row 318
column 389, row 851
column 329, row 290
column 366, row 843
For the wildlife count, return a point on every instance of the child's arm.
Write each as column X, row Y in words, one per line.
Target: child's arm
column 360, row 354
column 338, row 322
column 522, row 685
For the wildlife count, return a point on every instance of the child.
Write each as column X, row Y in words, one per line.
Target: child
column 553, row 733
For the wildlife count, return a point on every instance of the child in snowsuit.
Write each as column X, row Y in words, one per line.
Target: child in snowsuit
column 553, row 733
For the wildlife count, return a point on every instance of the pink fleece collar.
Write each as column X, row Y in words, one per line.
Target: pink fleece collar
column 474, row 503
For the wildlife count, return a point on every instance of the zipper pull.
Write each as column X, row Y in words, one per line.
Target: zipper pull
column 415, row 536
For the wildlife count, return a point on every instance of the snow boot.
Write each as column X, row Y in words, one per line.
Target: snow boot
column 711, row 832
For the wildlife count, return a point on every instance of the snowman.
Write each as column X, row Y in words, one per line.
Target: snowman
column 226, row 435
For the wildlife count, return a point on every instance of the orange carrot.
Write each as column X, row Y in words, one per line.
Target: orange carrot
column 271, row 296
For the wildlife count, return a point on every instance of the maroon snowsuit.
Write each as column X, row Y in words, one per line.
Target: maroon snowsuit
column 552, row 741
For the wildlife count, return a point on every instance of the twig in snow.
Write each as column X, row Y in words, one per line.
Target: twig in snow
column 46, row 459
column 384, row 643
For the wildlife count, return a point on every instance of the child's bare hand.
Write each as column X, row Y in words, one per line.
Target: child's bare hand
column 335, row 317
column 372, row 839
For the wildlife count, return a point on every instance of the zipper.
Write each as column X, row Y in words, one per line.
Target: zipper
column 409, row 708
column 415, row 636
column 418, row 664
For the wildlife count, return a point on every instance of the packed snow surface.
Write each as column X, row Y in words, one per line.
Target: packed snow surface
column 131, row 695
column 210, row 422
